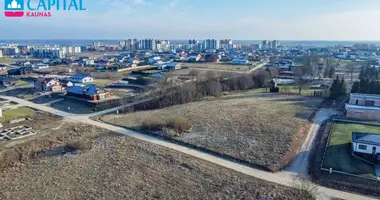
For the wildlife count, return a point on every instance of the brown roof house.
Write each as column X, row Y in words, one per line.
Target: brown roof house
column 47, row 84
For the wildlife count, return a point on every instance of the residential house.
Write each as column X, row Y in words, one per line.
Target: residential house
column 170, row 66
column 89, row 92
column 47, row 84
column 366, row 143
column 2, row 67
column 66, row 83
column 154, row 59
column 173, row 66
column 211, row 58
column 364, row 107
column 102, row 64
column 8, row 81
column 240, row 61
column 40, row 66
column 82, row 78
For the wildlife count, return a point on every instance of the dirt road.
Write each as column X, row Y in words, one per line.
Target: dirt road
column 279, row 178
column 300, row 163
column 259, row 66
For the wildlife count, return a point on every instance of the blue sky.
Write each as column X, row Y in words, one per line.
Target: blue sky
column 200, row 19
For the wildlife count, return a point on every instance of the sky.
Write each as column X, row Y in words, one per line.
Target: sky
column 200, row 19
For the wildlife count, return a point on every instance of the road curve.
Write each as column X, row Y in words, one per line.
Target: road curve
column 278, row 178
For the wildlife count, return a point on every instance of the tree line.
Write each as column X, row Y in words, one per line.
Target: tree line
column 212, row 85
column 368, row 81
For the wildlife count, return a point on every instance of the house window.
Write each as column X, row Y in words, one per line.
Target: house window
column 362, row 147
column 370, row 103
column 357, row 102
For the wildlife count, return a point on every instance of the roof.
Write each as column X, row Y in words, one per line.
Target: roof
column 362, row 107
column 80, row 76
column 366, row 138
column 45, row 80
column 172, row 64
column 88, row 90
column 370, row 96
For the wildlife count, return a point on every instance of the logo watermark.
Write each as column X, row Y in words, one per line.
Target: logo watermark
column 40, row 8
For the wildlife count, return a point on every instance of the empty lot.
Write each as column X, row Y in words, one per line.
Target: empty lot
column 263, row 129
column 118, row 167
column 218, row 66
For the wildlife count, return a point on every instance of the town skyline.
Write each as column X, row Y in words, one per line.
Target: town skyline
column 182, row 19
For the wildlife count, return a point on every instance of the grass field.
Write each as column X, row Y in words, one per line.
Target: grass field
column 100, row 82
column 23, row 82
column 118, row 167
column 306, row 91
column 17, row 113
column 6, row 60
column 23, row 93
column 255, row 127
column 338, row 153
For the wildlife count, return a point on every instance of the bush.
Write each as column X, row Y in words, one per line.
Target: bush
column 151, row 124
column 304, row 188
column 80, row 145
column 179, row 124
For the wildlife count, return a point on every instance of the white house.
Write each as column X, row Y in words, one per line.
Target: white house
column 81, row 78
column 366, row 143
column 238, row 61
column 47, row 84
column 41, row 66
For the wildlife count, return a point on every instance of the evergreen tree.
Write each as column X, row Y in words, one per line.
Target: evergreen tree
column 356, row 87
column 334, row 90
column 342, row 88
column 331, row 72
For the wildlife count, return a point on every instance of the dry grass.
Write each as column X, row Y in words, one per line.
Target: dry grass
column 151, row 124
column 79, row 145
column 123, row 168
column 258, row 128
column 179, row 124
column 218, row 66
column 21, row 152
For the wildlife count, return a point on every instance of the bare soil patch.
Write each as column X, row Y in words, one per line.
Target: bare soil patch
column 257, row 128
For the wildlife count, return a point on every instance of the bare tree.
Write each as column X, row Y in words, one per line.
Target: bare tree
column 351, row 68
column 301, row 72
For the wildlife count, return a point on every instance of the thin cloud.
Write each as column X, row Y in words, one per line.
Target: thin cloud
column 173, row 3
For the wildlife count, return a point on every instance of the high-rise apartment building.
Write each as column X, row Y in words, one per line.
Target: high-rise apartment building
column 275, row 44
column 265, row 44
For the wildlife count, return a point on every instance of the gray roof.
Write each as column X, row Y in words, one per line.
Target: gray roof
column 364, row 96
column 366, row 138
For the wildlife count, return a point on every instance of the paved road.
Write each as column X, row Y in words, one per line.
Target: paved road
column 279, row 178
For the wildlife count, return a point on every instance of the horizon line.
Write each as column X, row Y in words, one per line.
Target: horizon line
column 216, row 39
